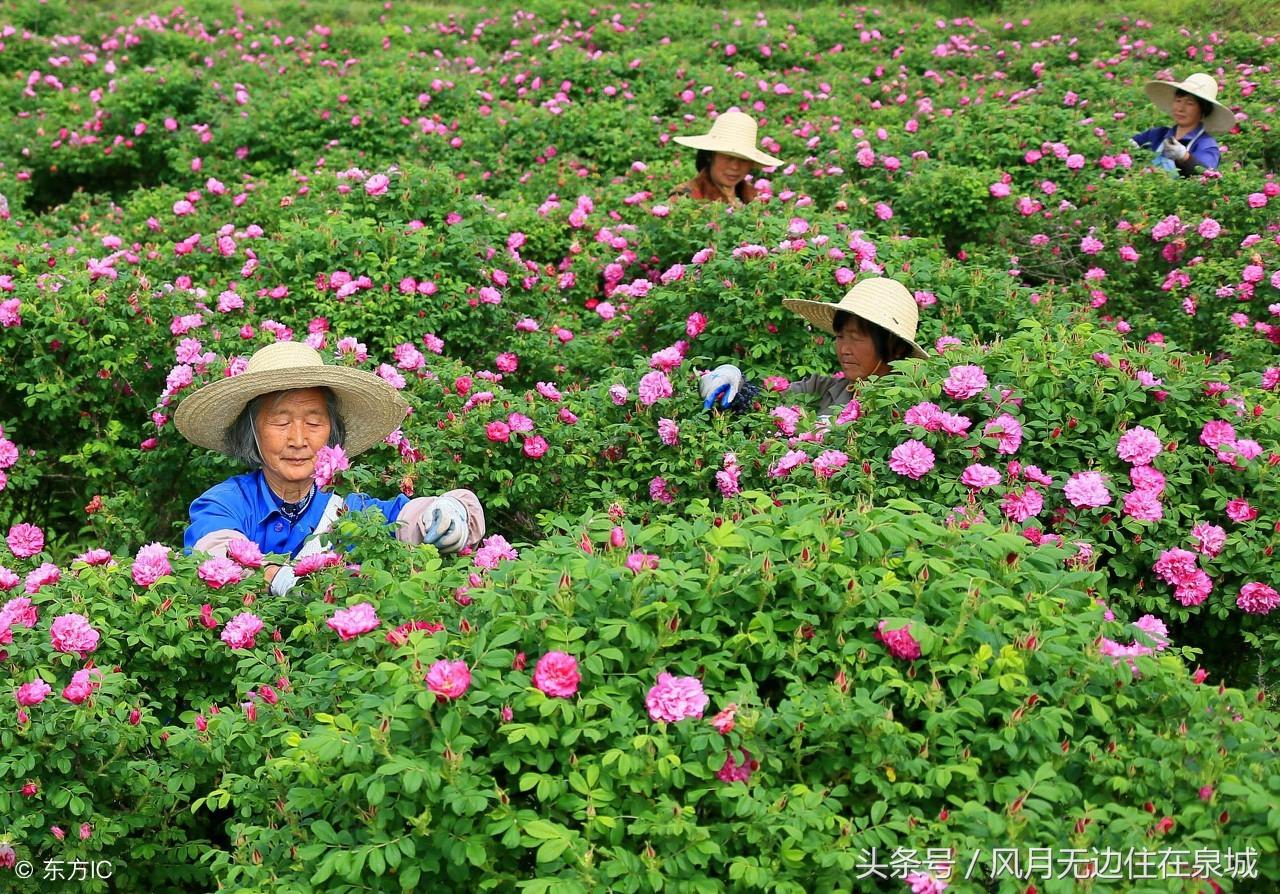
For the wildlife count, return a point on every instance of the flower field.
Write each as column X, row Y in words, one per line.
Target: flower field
column 1019, row 595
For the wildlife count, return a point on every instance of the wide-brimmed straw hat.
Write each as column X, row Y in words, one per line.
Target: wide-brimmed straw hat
column 371, row 408
column 885, row 302
column 733, row 133
column 1201, row 85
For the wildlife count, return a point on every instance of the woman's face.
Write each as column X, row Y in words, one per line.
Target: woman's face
column 1186, row 110
column 857, row 352
column 291, row 428
column 727, row 171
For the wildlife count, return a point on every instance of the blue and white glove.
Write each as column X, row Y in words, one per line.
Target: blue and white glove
column 1171, row 148
column 722, row 383
column 444, row 525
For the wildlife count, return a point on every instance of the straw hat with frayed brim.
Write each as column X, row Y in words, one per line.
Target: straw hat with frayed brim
column 371, row 408
column 1201, row 85
column 732, row 133
column 885, row 302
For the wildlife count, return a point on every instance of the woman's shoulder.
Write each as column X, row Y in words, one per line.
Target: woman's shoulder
column 684, row 190
column 234, row 489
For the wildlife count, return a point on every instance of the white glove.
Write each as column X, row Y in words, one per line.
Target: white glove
column 1135, row 144
column 284, row 580
column 1171, row 148
column 444, row 525
column 722, row 382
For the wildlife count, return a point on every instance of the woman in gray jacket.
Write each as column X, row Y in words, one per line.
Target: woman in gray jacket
column 874, row 324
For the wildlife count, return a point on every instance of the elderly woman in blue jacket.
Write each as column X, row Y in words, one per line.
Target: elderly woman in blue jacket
column 275, row 417
column 1187, row 144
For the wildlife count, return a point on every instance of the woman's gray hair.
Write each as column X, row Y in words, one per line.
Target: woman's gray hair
column 242, row 441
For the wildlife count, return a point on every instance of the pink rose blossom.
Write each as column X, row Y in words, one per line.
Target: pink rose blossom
column 732, row 771
column 1022, row 505
column 448, row 679
column 911, row 458
column 72, row 633
column 19, row 612
column 352, row 622
column 1216, row 433
column 727, row 477
column 1257, row 598
column 654, row 386
column 978, row 476
column 660, row 491
column 1239, row 511
column 925, row 883
column 46, row 575
column 150, row 564
column 245, row 552
column 1143, row 505
column 668, row 432
column 1176, row 566
column 498, row 432
column 33, row 693
column 1139, row 446
column 1087, row 490
column 494, row 550
column 673, row 699
column 1194, row 591
column 723, row 722
column 1091, row 245
column 241, row 630
column 1210, row 539
column 790, row 461
column 826, row 463
column 965, row 382
column 82, row 685
column 1007, row 431
column 786, row 419
column 319, row 561
column 556, row 674
column 900, row 643
column 1155, row 630
column 219, row 572
column 1209, row 228
column 925, row 415
column 535, row 446
column 638, row 562
column 25, row 540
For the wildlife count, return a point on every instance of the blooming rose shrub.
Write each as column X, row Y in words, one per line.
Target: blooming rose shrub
column 495, row 239
column 760, row 629
column 1133, row 454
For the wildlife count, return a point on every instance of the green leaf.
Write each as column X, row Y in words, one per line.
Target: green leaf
column 552, row 849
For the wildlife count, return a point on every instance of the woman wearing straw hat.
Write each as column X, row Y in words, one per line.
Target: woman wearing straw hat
column 725, row 156
column 276, row 416
column 874, row 325
column 1186, row 145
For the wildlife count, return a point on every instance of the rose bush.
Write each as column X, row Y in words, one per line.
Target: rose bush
column 475, row 207
column 739, row 711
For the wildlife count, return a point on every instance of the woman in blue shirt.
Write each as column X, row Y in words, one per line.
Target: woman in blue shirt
column 275, row 417
column 1186, row 145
